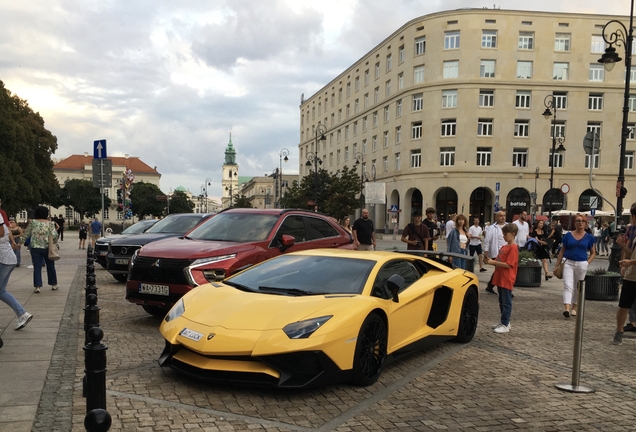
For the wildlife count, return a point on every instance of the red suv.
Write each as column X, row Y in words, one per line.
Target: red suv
column 163, row 271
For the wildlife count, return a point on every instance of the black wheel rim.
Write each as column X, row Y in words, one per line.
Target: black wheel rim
column 373, row 348
column 470, row 313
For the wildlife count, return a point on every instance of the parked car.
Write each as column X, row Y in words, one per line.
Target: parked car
column 320, row 316
column 234, row 239
column 121, row 250
column 101, row 245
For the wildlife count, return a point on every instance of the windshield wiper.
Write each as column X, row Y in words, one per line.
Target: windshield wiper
column 238, row 286
column 291, row 291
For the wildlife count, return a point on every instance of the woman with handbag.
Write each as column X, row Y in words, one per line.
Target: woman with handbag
column 457, row 241
column 605, row 238
column 576, row 245
column 43, row 248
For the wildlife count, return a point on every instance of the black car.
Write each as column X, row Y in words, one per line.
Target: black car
column 101, row 245
column 121, row 250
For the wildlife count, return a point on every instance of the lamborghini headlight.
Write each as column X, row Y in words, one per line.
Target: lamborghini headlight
column 177, row 310
column 304, row 329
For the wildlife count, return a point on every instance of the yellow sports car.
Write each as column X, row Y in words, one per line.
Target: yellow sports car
column 318, row 316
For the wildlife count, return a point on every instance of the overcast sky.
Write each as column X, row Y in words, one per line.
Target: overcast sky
column 168, row 80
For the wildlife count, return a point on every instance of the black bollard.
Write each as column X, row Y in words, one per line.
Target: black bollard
column 91, row 315
column 97, row 420
column 95, row 370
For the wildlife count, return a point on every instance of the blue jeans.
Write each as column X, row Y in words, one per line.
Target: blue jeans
column 18, row 254
column 505, row 305
column 40, row 256
column 461, row 263
column 5, row 272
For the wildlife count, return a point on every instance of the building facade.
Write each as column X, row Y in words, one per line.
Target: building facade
column 263, row 192
column 230, row 180
column 448, row 112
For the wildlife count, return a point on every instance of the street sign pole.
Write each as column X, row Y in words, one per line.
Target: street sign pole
column 101, row 190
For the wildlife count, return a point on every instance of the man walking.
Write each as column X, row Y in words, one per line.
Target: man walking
column 416, row 234
column 494, row 241
column 474, row 245
column 523, row 230
column 364, row 232
column 432, row 225
column 96, row 231
column 628, row 271
column 60, row 231
column 450, row 224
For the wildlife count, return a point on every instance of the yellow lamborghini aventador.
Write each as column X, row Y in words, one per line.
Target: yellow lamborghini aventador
column 318, row 316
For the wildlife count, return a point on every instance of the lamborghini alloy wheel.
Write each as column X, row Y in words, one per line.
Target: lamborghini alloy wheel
column 469, row 317
column 370, row 353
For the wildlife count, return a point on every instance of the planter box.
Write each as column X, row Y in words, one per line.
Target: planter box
column 528, row 276
column 601, row 287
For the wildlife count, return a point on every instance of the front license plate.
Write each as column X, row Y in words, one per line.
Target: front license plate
column 191, row 334
column 163, row 290
column 103, row 253
column 122, row 261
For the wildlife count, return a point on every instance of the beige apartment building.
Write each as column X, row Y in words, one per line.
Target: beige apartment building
column 448, row 112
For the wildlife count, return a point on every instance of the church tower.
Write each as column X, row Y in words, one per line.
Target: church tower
column 230, row 176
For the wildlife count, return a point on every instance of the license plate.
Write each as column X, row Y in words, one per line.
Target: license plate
column 123, row 261
column 190, row 334
column 103, row 253
column 163, row 290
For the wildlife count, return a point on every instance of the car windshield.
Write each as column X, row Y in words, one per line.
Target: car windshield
column 306, row 275
column 236, row 227
column 139, row 227
column 176, row 225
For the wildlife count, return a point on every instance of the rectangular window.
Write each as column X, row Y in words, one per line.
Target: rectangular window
column 398, row 134
column 106, row 213
column 364, row 146
column 594, row 127
column 386, row 114
column 629, row 160
column 389, row 63
column 401, row 81
column 598, row 45
column 522, row 128
column 451, row 40
column 562, row 42
column 418, row 74
column 366, row 77
column 523, row 99
column 364, row 124
column 558, row 128
column 385, row 164
column 348, row 89
column 631, row 102
column 451, row 69
column 486, row 98
column 385, row 139
column 489, row 39
column 630, row 131
column 418, row 101
column 416, row 158
column 346, row 154
column 120, row 215
column 560, row 100
column 339, row 115
column 449, row 127
column 632, row 72
column 398, row 108
column 520, row 157
column 483, row 156
column 449, row 98
column 375, row 118
column 597, row 72
column 355, row 128
column 416, row 130
column 377, row 70
column 560, row 71
column 338, row 156
column 596, row 160
column 524, row 69
column 338, row 135
column 387, row 89
column 487, row 69
column 595, row 102
column 347, row 132
column 555, row 159
column 374, row 143
column 357, row 83
column 339, row 95
column 347, row 111
column 484, row 127
column 526, row 40
column 356, row 105
column 397, row 162
column 366, row 100
column 401, row 54
column 376, row 95
column 420, row 45
column 447, row 156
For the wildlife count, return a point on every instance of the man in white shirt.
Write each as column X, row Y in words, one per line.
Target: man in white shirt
column 494, row 241
column 450, row 224
column 474, row 244
column 524, row 230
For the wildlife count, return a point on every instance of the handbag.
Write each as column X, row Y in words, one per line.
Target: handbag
column 558, row 271
column 53, row 253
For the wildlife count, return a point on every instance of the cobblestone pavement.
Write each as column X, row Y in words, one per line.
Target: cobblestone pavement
column 496, row 382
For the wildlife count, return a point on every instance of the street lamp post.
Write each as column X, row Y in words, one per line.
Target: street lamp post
column 621, row 37
column 229, row 189
column 204, row 189
column 282, row 155
column 312, row 158
column 363, row 176
column 549, row 106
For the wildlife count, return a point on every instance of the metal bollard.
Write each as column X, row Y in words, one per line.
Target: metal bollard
column 574, row 386
column 91, row 315
column 95, row 373
column 97, row 420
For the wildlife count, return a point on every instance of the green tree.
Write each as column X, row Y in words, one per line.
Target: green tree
column 83, row 197
column 241, row 201
column 26, row 146
column 179, row 203
column 144, row 200
column 342, row 199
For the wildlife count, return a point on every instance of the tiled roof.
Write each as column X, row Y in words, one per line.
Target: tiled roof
column 77, row 162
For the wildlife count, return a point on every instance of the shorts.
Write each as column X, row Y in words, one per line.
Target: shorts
column 475, row 249
column 95, row 236
column 82, row 236
column 628, row 294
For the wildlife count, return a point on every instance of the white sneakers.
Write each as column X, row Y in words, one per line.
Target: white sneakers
column 54, row 287
column 37, row 290
column 500, row 328
column 23, row 320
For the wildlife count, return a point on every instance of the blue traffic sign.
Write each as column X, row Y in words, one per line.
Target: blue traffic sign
column 593, row 211
column 99, row 149
column 394, row 208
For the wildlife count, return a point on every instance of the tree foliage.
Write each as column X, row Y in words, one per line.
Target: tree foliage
column 83, row 197
column 179, row 203
column 241, row 201
column 26, row 146
column 144, row 200
column 336, row 192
